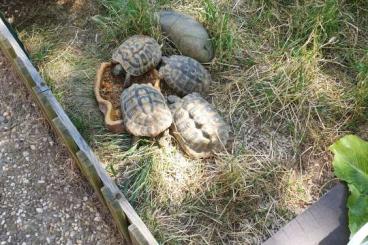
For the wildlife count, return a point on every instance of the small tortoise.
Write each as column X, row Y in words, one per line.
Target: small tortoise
column 137, row 55
column 144, row 110
column 197, row 126
column 184, row 75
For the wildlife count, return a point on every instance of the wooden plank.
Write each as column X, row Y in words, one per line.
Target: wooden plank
column 117, row 213
column 45, row 105
column 7, row 47
column 21, row 55
column 324, row 223
column 133, row 218
column 49, row 99
column 65, row 135
column 80, row 150
column 23, row 71
column 90, row 173
column 13, row 32
column 136, row 236
column 27, row 76
column 79, row 141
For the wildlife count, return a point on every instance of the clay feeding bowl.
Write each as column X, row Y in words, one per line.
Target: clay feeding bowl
column 108, row 88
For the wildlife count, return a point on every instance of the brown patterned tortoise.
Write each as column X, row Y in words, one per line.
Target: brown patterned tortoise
column 184, row 75
column 136, row 56
column 198, row 127
column 144, row 110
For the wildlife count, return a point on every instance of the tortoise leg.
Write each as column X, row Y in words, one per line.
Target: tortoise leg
column 157, row 84
column 127, row 81
column 164, row 140
column 135, row 140
column 157, row 79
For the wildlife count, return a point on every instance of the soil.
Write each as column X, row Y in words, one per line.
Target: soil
column 112, row 87
column 43, row 198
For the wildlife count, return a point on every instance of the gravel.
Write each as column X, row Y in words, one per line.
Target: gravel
column 43, row 198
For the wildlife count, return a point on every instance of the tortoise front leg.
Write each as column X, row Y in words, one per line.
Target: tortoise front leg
column 157, row 79
column 157, row 84
column 128, row 81
column 164, row 139
column 135, row 140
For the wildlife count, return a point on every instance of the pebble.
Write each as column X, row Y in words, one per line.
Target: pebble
column 31, row 212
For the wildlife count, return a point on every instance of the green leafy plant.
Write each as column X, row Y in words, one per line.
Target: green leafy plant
column 351, row 165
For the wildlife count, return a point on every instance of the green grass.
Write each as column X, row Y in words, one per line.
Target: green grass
column 218, row 22
column 289, row 76
column 125, row 18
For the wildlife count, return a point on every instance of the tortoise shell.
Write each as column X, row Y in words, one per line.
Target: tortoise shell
column 144, row 110
column 198, row 127
column 185, row 75
column 138, row 54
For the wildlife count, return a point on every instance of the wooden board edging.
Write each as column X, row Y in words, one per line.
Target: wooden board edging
column 122, row 212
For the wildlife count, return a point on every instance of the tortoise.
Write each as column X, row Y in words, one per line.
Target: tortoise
column 184, row 75
column 144, row 110
column 188, row 35
column 136, row 55
column 198, row 127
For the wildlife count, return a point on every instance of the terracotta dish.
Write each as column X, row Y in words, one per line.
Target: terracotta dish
column 112, row 115
column 108, row 90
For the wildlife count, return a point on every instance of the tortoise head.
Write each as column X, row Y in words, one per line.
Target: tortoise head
column 174, row 102
column 171, row 99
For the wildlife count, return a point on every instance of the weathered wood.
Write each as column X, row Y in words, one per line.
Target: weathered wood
column 13, row 32
column 80, row 142
column 7, row 47
column 136, row 236
column 133, row 218
column 24, row 72
column 324, row 223
column 27, row 76
column 65, row 135
column 15, row 49
column 87, row 161
column 117, row 213
column 45, row 106
column 90, row 173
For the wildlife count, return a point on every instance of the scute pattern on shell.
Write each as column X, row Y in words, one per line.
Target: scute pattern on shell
column 198, row 127
column 185, row 75
column 144, row 110
column 138, row 54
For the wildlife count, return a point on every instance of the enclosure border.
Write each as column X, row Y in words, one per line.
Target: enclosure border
column 129, row 224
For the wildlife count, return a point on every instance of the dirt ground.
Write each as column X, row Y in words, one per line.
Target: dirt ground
column 43, row 198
